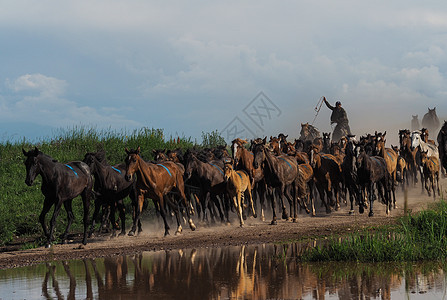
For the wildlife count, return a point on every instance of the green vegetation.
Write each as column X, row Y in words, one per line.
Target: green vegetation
column 20, row 205
column 422, row 236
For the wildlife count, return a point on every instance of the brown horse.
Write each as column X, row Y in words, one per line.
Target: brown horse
column 430, row 165
column 305, row 184
column 280, row 173
column 61, row 183
column 308, row 132
column 390, row 158
column 424, row 136
column 238, row 185
column 155, row 181
column 328, row 177
column 408, row 154
column 402, row 168
column 243, row 160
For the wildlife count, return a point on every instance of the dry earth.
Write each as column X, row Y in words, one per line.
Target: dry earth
column 254, row 232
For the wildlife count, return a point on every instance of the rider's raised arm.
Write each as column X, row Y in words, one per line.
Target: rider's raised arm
column 327, row 104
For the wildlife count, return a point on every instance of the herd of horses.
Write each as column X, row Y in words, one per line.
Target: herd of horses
column 241, row 178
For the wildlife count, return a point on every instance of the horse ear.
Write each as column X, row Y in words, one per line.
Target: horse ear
column 24, row 152
column 264, row 141
column 383, row 135
column 127, row 150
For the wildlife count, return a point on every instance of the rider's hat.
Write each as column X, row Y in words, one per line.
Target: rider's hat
column 337, row 103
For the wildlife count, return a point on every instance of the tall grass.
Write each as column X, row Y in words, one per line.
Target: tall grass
column 421, row 236
column 20, row 205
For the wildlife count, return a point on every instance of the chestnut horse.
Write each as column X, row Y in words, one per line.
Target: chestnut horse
column 430, row 165
column 155, row 181
column 238, row 185
column 243, row 160
column 61, row 183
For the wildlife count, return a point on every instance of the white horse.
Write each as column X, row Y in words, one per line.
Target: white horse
column 416, row 141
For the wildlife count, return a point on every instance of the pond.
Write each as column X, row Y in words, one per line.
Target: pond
column 268, row 271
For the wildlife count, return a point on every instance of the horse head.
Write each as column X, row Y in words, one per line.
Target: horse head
column 32, row 165
column 133, row 156
column 228, row 169
column 259, row 148
column 415, row 139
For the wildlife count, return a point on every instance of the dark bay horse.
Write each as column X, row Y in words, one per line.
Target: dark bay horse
column 442, row 146
column 61, row 182
column 391, row 159
column 111, row 188
column 431, row 120
column 350, row 177
column 154, row 181
column 431, row 166
column 210, row 176
column 280, row 173
column 372, row 171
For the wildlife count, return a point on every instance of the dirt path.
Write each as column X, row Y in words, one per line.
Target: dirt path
column 255, row 232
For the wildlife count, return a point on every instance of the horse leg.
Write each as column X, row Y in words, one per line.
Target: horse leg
column 351, row 198
column 137, row 207
column 238, row 205
column 85, row 195
column 262, row 190
column 46, row 207
column 273, row 202
column 249, row 196
column 98, row 204
column 122, row 213
column 280, row 193
column 292, row 203
column 371, row 199
column 70, row 218
column 57, row 209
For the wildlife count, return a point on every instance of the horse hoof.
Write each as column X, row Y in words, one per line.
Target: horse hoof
column 294, row 220
column 273, row 222
column 122, row 233
column 193, row 227
column 285, row 216
column 242, row 225
column 371, row 214
column 131, row 233
column 351, row 212
column 48, row 246
column 255, row 216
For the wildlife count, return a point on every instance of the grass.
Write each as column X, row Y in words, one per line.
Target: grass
column 20, row 205
column 417, row 237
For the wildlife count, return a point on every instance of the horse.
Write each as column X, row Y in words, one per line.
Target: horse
column 401, row 168
column 408, row 154
column 243, row 160
column 155, row 181
column 111, row 188
column 390, row 158
column 308, row 132
column 442, row 142
column 430, row 165
column 61, row 182
column 326, row 142
column 350, row 176
column 238, row 185
column 418, row 143
column 431, row 121
column 327, row 174
column 305, row 184
column 280, row 173
column 372, row 170
column 415, row 123
column 210, row 177
column 424, row 136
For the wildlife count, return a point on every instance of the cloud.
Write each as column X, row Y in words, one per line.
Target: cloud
column 40, row 99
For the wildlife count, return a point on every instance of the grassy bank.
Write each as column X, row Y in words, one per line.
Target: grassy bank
column 417, row 237
column 20, row 205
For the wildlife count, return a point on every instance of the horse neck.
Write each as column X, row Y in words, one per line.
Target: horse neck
column 100, row 172
column 46, row 169
column 270, row 159
column 144, row 171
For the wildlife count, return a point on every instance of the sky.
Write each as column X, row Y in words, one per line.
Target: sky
column 242, row 68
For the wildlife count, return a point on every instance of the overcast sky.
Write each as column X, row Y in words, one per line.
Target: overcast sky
column 254, row 67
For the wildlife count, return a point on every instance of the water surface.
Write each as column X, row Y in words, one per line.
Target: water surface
column 266, row 271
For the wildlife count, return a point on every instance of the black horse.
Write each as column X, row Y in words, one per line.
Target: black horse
column 111, row 187
column 61, row 182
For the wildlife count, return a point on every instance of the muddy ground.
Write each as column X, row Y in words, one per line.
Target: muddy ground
column 254, row 232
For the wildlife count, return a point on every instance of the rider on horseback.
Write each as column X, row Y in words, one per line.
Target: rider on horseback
column 340, row 117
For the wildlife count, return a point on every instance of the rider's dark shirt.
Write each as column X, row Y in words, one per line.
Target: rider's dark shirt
column 338, row 115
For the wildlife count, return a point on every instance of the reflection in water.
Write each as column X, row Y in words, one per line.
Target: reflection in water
column 243, row 272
